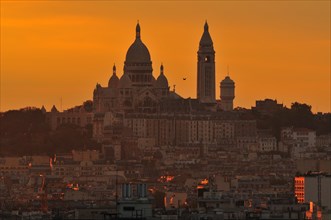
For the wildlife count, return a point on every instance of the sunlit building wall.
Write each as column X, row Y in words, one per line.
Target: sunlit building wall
column 315, row 188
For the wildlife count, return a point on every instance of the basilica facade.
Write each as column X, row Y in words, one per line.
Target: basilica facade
column 137, row 89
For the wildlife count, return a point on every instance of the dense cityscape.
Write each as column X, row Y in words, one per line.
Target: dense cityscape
column 138, row 150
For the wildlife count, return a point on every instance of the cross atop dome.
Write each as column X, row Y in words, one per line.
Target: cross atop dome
column 161, row 68
column 138, row 30
column 114, row 69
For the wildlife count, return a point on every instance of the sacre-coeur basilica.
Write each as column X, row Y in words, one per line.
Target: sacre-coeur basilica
column 142, row 103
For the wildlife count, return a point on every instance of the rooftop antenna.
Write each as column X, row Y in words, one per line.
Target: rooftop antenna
column 228, row 70
column 174, row 88
column 61, row 103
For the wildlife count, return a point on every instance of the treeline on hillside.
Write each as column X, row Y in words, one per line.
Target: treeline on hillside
column 298, row 116
column 26, row 132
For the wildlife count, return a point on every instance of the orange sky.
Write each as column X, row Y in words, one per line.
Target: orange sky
column 275, row 49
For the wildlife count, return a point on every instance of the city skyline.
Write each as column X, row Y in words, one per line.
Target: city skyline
column 76, row 45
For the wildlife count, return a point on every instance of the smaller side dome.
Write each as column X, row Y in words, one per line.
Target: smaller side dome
column 125, row 81
column 161, row 81
column 114, row 80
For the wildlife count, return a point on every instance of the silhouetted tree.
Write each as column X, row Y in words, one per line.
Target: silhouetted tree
column 301, row 115
column 26, row 132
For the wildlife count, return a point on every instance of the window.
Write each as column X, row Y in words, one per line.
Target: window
column 128, row 208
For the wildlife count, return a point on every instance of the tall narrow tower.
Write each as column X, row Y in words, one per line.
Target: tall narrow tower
column 206, row 69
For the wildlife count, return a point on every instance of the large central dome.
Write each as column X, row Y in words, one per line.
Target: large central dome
column 138, row 64
column 138, row 52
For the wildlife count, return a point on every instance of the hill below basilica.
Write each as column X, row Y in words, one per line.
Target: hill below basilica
column 26, row 131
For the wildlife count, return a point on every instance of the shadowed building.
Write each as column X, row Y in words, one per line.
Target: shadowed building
column 81, row 116
column 313, row 187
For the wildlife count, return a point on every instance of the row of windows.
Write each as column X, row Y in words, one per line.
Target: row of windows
column 13, row 173
column 13, row 168
column 137, row 64
column 299, row 182
column 68, row 120
column 141, row 78
column 299, row 188
column 125, row 92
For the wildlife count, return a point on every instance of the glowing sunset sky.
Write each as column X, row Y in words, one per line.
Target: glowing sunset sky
column 278, row 50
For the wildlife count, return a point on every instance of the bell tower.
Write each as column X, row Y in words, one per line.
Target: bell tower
column 206, row 69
